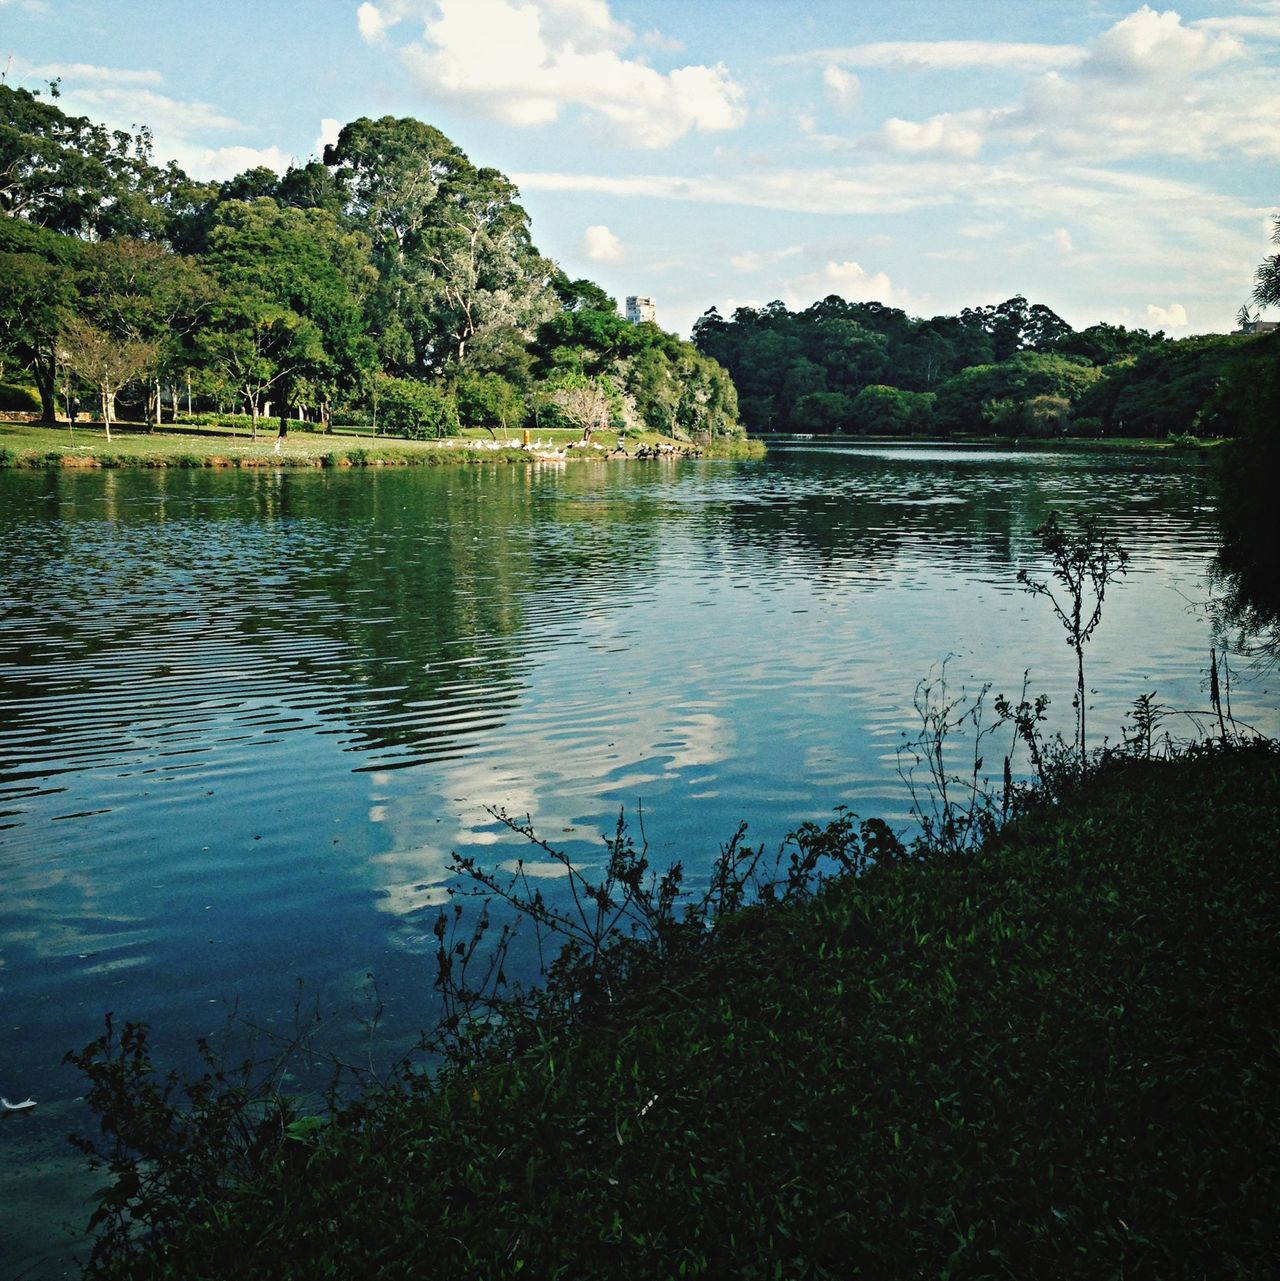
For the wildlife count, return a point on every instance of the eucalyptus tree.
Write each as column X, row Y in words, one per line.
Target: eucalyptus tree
column 450, row 242
column 74, row 176
column 149, row 300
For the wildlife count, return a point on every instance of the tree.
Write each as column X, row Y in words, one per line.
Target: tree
column 485, row 399
column 889, row 411
column 293, row 286
column 36, row 302
column 588, row 403
column 822, row 412
column 146, row 295
column 1085, row 562
column 104, row 360
column 416, row 409
column 450, row 241
column 975, row 398
column 71, row 175
column 1266, row 289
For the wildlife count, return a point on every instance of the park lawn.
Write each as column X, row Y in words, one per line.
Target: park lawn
column 33, row 445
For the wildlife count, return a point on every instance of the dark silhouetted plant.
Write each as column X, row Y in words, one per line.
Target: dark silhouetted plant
column 1084, row 562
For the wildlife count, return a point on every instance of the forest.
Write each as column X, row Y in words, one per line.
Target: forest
column 393, row 283
column 1012, row 369
column 390, row 282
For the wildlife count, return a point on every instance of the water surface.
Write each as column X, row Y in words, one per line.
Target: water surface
column 245, row 718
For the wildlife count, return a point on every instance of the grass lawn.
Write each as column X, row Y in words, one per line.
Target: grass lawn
column 32, row 445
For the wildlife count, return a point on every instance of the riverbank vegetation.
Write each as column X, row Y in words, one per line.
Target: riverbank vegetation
column 1016, row 370
column 1034, row 1041
column 391, row 284
column 1049, row 1057
column 218, row 444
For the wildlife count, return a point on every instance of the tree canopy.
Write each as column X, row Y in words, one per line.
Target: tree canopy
column 393, row 260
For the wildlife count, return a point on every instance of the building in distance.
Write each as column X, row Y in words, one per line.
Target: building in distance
column 640, row 307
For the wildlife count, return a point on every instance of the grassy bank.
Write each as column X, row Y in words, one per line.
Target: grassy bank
column 1055, row 1058
column 32, row 446
column 1059, row 444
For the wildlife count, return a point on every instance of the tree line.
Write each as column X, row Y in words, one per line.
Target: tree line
column 389, row 280
column 1011, row 369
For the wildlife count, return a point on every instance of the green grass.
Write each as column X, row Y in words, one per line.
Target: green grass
column 1055, row 1058
column 1060, row 444
column 30, row 445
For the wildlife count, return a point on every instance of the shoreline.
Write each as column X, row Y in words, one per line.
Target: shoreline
column 34, row 447
column 1061, row 444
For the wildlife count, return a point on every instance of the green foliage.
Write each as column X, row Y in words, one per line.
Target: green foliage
column 488, row 400
column 822, row 412
column 71, row 175
column 15, row 397
column 419, row 410
column 779, row 358
column 1175, row 389
column 1266, row 289
column 1248, row 515
column 889, row 411
column 1049, row 1058
column 997, row 397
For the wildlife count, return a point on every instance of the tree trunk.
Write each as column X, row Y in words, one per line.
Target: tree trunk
column 45, row 370
column 106, row 398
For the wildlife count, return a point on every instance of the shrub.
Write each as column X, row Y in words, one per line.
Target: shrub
column 419, row 410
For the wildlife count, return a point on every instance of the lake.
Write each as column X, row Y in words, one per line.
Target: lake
column 245, row 718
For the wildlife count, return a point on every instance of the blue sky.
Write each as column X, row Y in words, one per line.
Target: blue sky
column 1116, row 162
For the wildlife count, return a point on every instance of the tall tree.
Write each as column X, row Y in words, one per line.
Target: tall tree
column 293, row 285
column 71, row 175
column 36, row 302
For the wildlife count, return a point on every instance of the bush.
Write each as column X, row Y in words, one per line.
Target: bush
column 1050, row 1059
column 419, row 410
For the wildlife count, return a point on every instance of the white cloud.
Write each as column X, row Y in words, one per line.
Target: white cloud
column 1261, row 28
column 328, row 135
column 599, row 244
column 663, row 44
column 1148, row 86
column 868, row 190
column 127, row 98
column 1061, row 239
column 843, row 86
column 848, row 279
column 1149, row 46
column 960, row 134
column 523, row 61
column 1172, row 317
column 948, row 55
column 952, row 255
column 124, row 107
column 758, row 260
column 375, row 20
column 84, row 72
